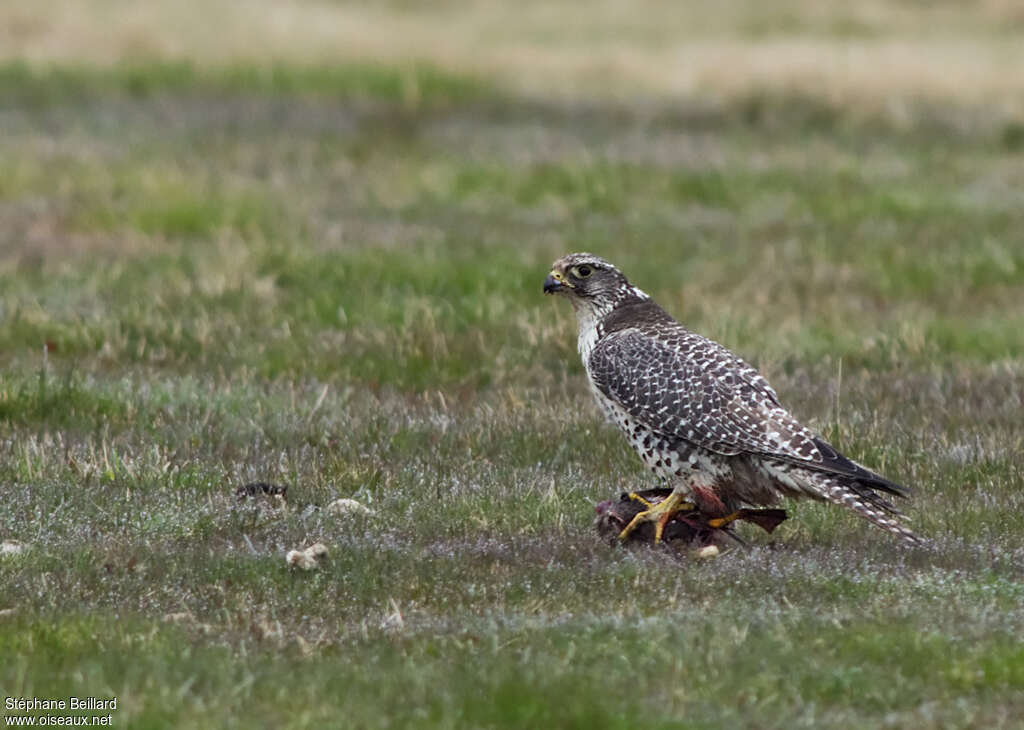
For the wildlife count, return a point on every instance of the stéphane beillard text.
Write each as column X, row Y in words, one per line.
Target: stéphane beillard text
column 71, row 703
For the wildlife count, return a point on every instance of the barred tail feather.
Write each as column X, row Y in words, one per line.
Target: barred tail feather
column 868, row 505
column 859, row 498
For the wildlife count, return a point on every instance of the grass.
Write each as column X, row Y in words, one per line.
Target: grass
column 31, row 85
column 873, row 55
column 329, row 277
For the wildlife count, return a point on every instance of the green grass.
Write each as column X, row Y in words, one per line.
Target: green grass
column 37, row 86
column 330, row 278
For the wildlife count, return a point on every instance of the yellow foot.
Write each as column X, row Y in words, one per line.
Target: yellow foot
column 659, row 514
column 720, row 522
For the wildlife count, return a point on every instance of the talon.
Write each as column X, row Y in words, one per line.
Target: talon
column 637, row 498
column 659, row 514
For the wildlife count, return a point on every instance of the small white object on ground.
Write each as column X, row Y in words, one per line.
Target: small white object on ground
column 11, row 547
column 345, row 506
column 709, row 551
column 299, row 559
column 317, row 550
column 179, row 618
column 307, row 559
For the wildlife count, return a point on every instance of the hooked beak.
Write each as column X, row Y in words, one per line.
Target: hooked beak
column 556, row 282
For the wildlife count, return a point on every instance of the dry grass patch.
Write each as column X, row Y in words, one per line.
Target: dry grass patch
column 870, row 54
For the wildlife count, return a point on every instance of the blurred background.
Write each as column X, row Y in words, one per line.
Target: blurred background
column 870, row 53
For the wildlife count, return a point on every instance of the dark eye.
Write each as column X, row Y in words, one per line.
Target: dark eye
column 582, row 271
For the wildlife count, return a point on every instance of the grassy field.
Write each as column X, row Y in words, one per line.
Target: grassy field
column 322, row 268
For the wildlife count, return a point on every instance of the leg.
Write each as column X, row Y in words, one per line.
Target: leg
column 720, row 522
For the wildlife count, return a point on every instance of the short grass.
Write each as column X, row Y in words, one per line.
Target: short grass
column 331, row 279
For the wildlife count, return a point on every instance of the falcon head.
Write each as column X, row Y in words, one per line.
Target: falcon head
column 589, row 281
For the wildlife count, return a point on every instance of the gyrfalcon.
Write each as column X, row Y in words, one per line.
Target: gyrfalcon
column 699, row 416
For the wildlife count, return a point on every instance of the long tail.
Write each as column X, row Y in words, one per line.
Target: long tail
column 847, row 492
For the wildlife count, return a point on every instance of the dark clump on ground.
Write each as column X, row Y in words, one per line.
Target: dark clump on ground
column 256, row 489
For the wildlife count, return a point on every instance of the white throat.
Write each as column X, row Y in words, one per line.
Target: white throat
column 588, row 320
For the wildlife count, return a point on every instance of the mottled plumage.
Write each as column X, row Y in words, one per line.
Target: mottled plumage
column 697, row 415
